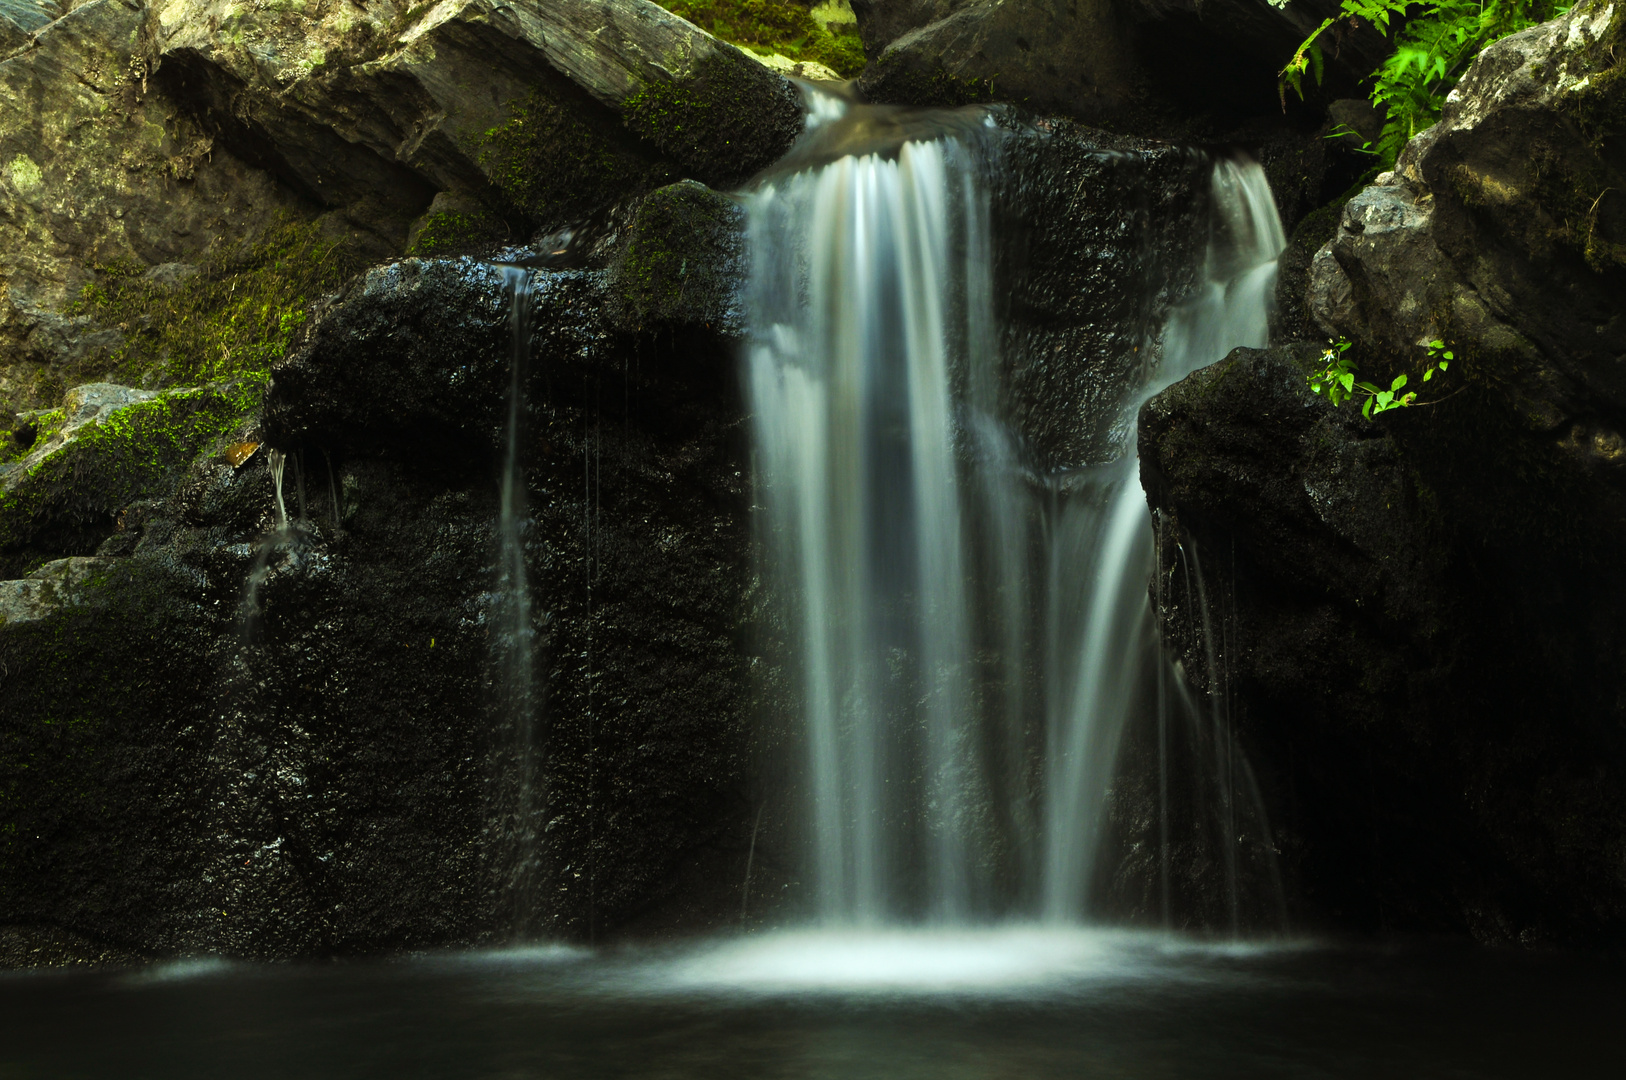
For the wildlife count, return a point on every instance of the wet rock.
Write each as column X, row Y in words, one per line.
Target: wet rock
column 682, row 261
column 107, row 446
column 1417, row 616
column 1099, row 236
column 50, row 947
column 292, row 741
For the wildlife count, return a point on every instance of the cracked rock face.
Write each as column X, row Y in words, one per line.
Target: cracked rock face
column 1502, row 230
column 145, row 134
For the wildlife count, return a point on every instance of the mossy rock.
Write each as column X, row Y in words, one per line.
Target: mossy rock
column 556, row 157
column 786, row 27
column 61, row 498
column 682, row 260
column 727, row 120
column 233, row 315
column 901, row 78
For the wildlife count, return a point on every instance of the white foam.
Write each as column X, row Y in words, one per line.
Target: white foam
column 1021, row 959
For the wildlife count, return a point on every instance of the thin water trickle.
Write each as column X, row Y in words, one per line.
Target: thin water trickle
column 250, row 613
column 277, row 461
column 901, row 525
column 514, row 634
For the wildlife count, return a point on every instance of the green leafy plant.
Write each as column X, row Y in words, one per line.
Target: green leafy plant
column 1434, row 45
column 1335, row 376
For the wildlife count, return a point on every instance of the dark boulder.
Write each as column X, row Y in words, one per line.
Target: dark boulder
column 1416, row 618
column 1099, row 235
column 1151, row 67
column 1429, row 696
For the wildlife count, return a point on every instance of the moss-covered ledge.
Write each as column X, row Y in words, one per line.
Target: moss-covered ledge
column 114, row 446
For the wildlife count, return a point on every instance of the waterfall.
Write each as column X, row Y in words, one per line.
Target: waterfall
column 897, row 525
column 513, row 632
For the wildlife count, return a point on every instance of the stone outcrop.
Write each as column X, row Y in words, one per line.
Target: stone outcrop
column 135, row 134
column 1417, row 617
column 107, row 448
column 1051, row 56
column 1500, row 230
column 96, row 169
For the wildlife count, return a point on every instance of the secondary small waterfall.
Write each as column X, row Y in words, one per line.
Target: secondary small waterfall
column 899, row 528
column 1106, row 669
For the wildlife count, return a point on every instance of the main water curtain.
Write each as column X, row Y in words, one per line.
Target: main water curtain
column 901, row 534
column 869, row 295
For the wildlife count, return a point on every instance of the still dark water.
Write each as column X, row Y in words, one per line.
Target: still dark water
column 1017, row 1004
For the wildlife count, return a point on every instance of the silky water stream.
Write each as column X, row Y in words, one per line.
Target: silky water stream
column 969, row 637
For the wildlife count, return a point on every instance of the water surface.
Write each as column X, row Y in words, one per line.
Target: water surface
column 1014, row 1003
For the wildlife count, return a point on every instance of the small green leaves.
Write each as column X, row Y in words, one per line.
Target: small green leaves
column 1336, row 378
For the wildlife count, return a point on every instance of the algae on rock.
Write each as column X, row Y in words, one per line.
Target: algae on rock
column 116, row 446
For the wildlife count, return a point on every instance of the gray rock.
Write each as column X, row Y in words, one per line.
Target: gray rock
column 1361, row 121
column 88, row 175
column 1050, row 55
column 1499, row 231
column 136, row 135
column 54, row 586
column 171, row 273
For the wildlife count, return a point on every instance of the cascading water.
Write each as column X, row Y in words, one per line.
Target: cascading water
column 866, row 296
column 899, row 525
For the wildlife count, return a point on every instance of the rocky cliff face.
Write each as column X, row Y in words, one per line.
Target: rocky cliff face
column 1419, row 620
column 219, row 736
column 292, row 742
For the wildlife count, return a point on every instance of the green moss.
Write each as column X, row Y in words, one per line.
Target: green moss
column 236, row 317
column 679, row 260
column 44, row 425
column 553, row 166
column 64, row 502
column 722, row 122
column 785, row 27
column 452, row 232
